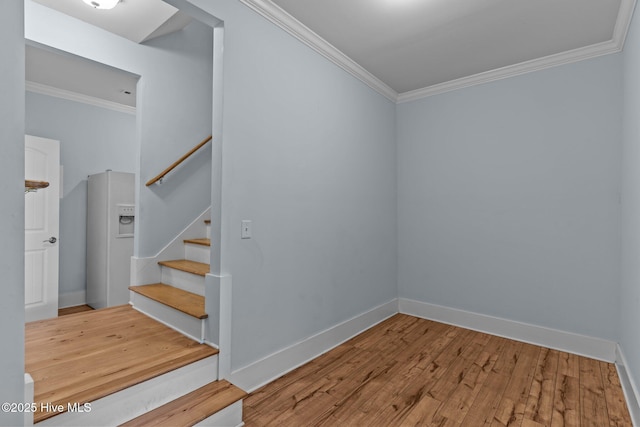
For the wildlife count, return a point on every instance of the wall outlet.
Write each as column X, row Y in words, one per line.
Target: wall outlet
column 245, row 232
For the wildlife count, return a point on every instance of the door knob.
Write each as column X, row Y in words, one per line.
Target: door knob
column 51, row 240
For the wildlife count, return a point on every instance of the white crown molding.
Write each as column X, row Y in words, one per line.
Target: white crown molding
column 614, row 45
column 282, row 19
column 513, row 70
column 621, row 29
column 78, row 97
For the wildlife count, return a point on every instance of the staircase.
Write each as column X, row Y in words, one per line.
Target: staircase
column 178, row 301
column 220, row 398
column 135, row 365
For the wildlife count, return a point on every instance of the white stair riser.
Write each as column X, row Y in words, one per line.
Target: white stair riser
column 198, row 253
column 175, row 319
column 208, row 231
column 183, row 280
column 134, row 401
column 228, row 417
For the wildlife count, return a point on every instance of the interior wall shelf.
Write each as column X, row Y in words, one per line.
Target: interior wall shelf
column 30, row 186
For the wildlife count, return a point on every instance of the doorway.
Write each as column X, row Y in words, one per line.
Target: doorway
column 96, row 133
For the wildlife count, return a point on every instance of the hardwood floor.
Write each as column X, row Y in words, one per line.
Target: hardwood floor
column 86, row 356
column 74, row 310
column 414, row 372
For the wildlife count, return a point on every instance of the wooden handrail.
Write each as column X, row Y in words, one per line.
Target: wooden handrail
column 177, row 162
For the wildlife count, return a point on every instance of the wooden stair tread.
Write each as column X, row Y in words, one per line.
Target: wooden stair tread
column 207, row 221
column 203, row 242
column 87, row 356
column 191, row 408
column 193, row 267
column 184, row 301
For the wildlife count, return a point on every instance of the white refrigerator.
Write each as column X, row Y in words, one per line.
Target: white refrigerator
column 110, row 227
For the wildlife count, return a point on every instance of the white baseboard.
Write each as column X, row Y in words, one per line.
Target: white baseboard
column 277, row 364
column 629, row 386
column 72, row 299
column 595, row 348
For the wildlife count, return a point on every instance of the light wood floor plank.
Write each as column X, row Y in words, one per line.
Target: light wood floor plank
column 484, row 407
column 366, row 406
column 425, row 373
column 569, row 365
column 593, row 405
column 413, row 364
column 616, row 406
column 86, row 356
column 415, row 372
column 73, row 310
column 294, row 379
column 511, row 409
column 529, row 423
column 539, row 407
column 422, row 413
column 458, row 405
column 566, row 402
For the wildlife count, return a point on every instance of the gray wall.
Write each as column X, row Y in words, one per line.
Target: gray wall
column 309, row 157
column 174, row 113
column 630, row 291
column 509, row 198
column 92, row 139
column 508, row 193
column 12, row 208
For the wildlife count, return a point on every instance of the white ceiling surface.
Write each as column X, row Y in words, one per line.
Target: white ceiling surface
column 402, row 48
column 136, row 20
column 414, row 44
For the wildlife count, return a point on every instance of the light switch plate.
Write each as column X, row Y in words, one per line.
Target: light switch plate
column 245, row 232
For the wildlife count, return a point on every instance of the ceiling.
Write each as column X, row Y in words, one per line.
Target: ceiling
column 136, row 20
column 412, row 44
column 408, row 49
column 61, row 74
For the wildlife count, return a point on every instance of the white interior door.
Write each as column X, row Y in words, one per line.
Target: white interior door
column 41, row 226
